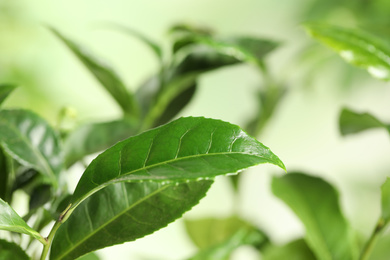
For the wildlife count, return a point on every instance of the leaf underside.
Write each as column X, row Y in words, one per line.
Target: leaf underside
column 124, row 212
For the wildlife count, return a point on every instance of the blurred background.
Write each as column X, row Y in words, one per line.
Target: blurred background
column 303, row 131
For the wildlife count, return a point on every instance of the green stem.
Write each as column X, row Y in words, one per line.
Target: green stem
column 50, row 239
column 372, row 240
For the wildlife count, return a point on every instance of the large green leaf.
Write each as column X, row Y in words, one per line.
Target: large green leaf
column 356, row 47
column 11, row 221
column 12, row 251
column 30, row 140
column 95, row 137
column 294, row 250
column 223, row 250
column 316, row 203
column 5, row 90
column 105, row 75
column 124, row 212
column 186, row 149
column 353, row 122
column 209, row 232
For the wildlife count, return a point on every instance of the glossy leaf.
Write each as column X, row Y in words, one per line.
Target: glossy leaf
column 223, row 250
column 95, row 137
column 5, row 90
column 186, row 149
column 105, row 75
column 209, row 232
column 124, row 212
column 31, row 141
column 356, row 47
column 316, row 203
column 385, row 201
column 353, row 122
column 12, row 251
column 295, row 250
column 11, row 221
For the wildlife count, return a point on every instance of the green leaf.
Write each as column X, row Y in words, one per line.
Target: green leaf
column 146, row 40
column 95, row 137
column 352, row 122
column 316, row 203
column 212, row 231
column 295, row 250
column 5, row 90
column 186, row 149
column 356, row 47
column 30, row 140
column 90, row 256
column 12, row 251
column 223, row 250
column 381, row 249
column 386, row 200
column 124, row 212
column 105, row 75
column 11, row 221
column 4, row 185
column 39, row 196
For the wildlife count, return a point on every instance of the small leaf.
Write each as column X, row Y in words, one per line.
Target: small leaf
column 356, row 47
column 12, row 251
column 5, row 90
column 11, row 221
column 386, row 200
column 316, row 203
column 209, row 232
column 223, row 250
column 185, row 149
column 352, row 122
column 295, row 250
column 95, row 137
column 31, row 141
column 148, row 42
column 105, row 75
column 124, row 212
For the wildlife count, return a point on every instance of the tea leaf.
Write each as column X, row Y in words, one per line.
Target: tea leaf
column 12, row 251
column 124, row 212
column 95, row 137
column 356, row 47
column 352, row 122
column 185, row 149
column 316, row 203
column 5, row 90
column 30, row 140
column 105, row 75
column 11, row 221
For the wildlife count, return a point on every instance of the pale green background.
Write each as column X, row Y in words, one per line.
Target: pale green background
column 303, row 133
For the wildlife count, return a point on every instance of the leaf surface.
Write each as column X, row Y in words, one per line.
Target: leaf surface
column 4, row 186
column 105, row 75
column 12, row 251
column 95, row 137
column 124, row 212
column 11, row 221
column 30, row 140
column 5, row 90
column 186, row 149
column 356, row 47
column 353, row 122
column 316, row 203
column 294, row 250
